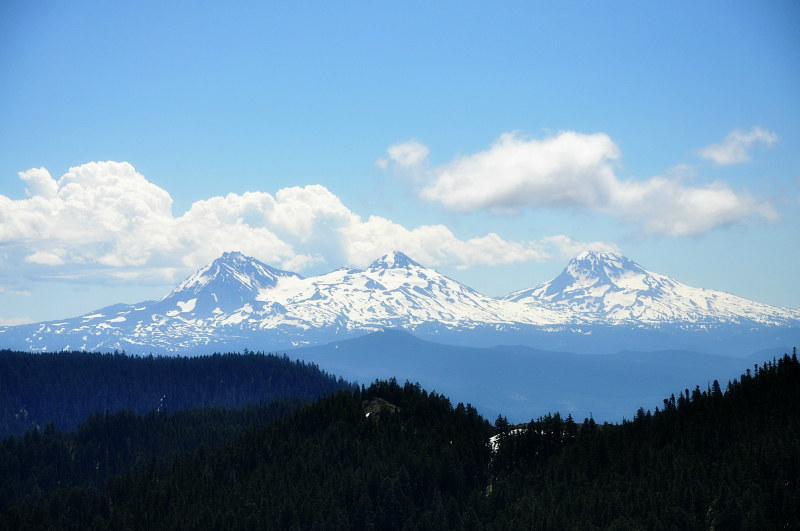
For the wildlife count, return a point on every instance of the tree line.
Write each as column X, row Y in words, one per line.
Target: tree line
column 64, row 388
column 708, row 460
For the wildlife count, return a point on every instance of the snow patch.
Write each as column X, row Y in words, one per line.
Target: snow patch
column 187, row 306
column 234, row 319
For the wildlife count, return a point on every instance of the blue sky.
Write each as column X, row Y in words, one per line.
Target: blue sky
column 138, row 141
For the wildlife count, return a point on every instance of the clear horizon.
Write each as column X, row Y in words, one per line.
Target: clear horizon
column 491, row 143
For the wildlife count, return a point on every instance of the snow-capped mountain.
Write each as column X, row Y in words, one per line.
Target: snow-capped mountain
column 607, row 287
column 393, row 292
column 237, row 301
column 223, row 286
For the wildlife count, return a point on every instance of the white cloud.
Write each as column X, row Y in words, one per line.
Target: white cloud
column 665, row 206
column 574, row 170
column 568, row 248
column 92, row 211
column 14, row 321
column 106, row 217
column 39, row 183
column 432, row 245
column 737, row 146
column 44, row 258
column 23, row 293
column 409, row 158
column 408, row 154
column 570, row 169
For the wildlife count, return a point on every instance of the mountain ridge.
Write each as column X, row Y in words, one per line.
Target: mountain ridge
column 599, row 302
column 499, row 379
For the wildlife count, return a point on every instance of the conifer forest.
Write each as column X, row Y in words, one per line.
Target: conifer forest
column 284, row 445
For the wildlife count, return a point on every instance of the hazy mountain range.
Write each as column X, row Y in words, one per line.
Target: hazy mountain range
column 601, row 303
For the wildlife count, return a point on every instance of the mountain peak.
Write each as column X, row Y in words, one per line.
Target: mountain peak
column 232, row 257
column 232, row 272
column 393, row 260
column 596, row 255
column 610, row 287
column 599, row 282
column 604, row 265
column 238, row 300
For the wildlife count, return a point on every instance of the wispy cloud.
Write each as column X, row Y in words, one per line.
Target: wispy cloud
column 578, row 171
column 105, row 217
column 23, row 293
column 409, row 159
column 15, row 321
column 408, row 154
column 738, row 146
column 45, row 258
column 568, row 248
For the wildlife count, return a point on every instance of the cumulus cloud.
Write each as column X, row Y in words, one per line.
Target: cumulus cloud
column 39, row 183
column 89, row 215
column 738, row 145
column 106, row 217
column 575, row 170
column 432, row 245
column 570, row 169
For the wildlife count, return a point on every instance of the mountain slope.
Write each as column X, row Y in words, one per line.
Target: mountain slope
column 64, row 388
column 394, row 291
column 225, row 285
column 604, row 286
column 602, row 302
column 518, row 381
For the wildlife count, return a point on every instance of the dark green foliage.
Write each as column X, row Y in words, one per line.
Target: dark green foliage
column 415, row 461
column 398, row 457
column 109, row 444
column 65, row 388
column 706, row 461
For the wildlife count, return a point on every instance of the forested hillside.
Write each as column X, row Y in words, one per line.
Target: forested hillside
column 396, row 456
column 707, row 460
column 109, row 444
column 65, row 388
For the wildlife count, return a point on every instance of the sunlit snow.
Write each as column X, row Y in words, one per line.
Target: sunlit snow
column 235, row 296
